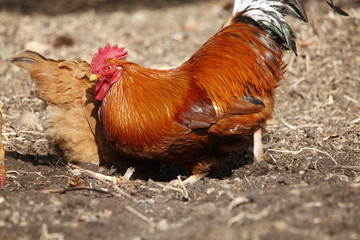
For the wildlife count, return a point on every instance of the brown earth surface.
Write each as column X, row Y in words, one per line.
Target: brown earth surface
column 311, row 191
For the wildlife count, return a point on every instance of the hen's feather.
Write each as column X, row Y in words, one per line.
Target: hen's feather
column 62, row 85
column 57, row 82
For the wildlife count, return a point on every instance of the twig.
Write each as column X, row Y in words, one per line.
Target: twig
column 272, row 157
column 141, row 216
column 287, row 124
column 310, row 125
column 24, row 172
column 4, row 134
column 351, row 99
column 255, row 217
column 355, row 120
column 304, row 149
column 169, row 187
column 352, row 168
column 119, row 190
column 32, row 132
column 185, row 192
column 69, row 189
column 238, row 201
column 164, row 186
column 129, row 172
column 95, row 175
column 108, row 180
column 295, row 84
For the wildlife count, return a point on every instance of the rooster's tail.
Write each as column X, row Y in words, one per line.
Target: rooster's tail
column 269, row 16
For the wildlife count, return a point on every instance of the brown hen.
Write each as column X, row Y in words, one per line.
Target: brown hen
column 65, row 87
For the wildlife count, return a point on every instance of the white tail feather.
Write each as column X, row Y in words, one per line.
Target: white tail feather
column 258, row 9
column 269, row 16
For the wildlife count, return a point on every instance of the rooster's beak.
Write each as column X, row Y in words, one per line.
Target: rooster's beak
column 94, row 77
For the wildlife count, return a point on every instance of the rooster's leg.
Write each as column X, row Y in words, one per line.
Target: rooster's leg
column 258, row 146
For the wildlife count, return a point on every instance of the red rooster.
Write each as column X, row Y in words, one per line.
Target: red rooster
column 211, row 105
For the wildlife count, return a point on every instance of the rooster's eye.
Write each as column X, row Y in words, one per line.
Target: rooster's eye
column 108, row 68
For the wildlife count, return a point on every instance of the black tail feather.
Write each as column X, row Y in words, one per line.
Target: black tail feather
column 269, row 16
column 294, row 10
column 336, row 9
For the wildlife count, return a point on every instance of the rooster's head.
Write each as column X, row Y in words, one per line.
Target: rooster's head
column 105, row 70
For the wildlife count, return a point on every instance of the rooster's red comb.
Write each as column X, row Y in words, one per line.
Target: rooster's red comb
column 106, row 53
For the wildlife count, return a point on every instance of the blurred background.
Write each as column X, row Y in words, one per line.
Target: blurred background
column 67, row 6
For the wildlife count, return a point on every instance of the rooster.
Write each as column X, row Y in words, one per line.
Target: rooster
column 211, row 105
column 192, row 115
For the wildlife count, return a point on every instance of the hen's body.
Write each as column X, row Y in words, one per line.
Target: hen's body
column 64, row 85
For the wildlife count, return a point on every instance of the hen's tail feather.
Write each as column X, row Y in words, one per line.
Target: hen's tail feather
column 27, row 56
column 23, row 59
column 57, row 82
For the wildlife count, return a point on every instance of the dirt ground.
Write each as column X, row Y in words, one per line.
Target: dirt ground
column 311, row 191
